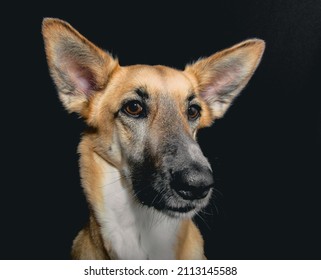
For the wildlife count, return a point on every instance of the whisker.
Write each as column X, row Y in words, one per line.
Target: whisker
column 206, row 213
column 198, row 215
column 112, row 182
column 218, row 191
column 155, row 197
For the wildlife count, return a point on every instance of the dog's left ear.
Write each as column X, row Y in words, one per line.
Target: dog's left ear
column 222, row 76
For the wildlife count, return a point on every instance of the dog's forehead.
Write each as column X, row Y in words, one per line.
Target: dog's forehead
column 158, row 80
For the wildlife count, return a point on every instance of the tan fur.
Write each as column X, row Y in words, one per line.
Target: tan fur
column 97, row 96
column 88, row 245
column 190, row 242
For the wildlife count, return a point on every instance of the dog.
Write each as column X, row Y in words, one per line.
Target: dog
column 143, row 174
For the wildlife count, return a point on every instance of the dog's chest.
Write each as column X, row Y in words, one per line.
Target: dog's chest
column 134, row 231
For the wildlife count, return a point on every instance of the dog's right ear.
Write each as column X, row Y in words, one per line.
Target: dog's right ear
column 78, row 68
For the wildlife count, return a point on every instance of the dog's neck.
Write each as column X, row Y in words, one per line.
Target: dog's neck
column 133, row 231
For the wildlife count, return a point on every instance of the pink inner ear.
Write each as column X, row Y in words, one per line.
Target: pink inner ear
column 218, row 87
column 81, row 77
column 224, row 81
column 83, row 83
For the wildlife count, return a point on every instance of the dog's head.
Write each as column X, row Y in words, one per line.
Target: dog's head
column 146, row 117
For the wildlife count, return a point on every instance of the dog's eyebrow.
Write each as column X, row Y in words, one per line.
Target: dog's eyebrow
column 191, row 97
column 142, row 93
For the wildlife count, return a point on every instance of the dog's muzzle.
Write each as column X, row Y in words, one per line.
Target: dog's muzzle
column 179, row 184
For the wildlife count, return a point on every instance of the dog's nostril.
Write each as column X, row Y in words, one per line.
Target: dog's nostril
column 190, row 193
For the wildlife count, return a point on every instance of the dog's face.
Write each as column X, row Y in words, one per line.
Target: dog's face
column 145, row 118
column 150, row 136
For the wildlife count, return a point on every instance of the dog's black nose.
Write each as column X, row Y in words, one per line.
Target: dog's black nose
column 192, row 183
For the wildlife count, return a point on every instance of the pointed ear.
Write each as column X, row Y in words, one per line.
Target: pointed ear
column 78, row 68
column 222, row 76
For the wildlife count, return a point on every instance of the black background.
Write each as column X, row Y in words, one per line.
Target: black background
column 265, row 152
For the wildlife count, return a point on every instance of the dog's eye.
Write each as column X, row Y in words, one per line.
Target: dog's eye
column 134, row 109
column 193, row 112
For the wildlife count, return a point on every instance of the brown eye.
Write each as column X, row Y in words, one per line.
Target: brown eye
column 193, row 112
column 134, row 109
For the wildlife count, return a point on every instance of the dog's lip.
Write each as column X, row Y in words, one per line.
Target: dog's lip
column 170, row 209
column 184, row 209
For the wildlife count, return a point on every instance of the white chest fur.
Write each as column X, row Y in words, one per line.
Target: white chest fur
column 134, row 231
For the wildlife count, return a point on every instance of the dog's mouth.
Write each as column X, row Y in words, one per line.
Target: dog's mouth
column 181, row 212
column 172, row 211
column 169, row 203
